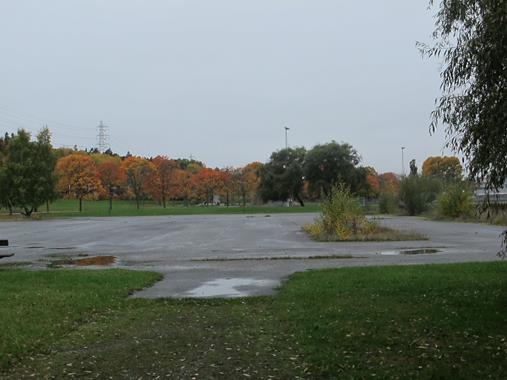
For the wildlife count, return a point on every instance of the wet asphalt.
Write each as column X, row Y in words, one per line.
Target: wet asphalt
column 234, row 255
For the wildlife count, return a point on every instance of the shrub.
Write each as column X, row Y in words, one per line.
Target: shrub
column 342, row 220
column 387, row 203
column 417, row 193
column 341, row 216
column 456, row 201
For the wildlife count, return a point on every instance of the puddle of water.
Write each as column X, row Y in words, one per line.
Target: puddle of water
column 227, row 287
column 421, row 251
column 389, row 253
column 88, row 261
column 97, row 260
column 415, row 251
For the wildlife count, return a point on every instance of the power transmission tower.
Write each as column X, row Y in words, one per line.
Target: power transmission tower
column 102, row 137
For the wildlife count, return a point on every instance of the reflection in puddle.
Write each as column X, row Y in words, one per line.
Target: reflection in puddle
column 418, row 251
column 228, row 287
column 88, row 261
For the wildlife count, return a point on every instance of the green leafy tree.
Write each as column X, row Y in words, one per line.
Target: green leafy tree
column 282, row 177
column 27, row 173
column 417, row 193
column 413, row 168
column 47, row 162
column 456, row 201
column 471, row 38
column 328, row 165
column 5, row 187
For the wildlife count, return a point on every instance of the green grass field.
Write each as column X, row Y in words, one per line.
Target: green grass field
column 69, row 208
column 434, row 321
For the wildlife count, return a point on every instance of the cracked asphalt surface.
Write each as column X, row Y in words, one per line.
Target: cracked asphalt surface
column 234, row 255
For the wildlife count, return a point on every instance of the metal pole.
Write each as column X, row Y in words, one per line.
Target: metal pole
column 286, row 141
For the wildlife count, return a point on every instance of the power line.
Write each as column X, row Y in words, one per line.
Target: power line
column 29, row 118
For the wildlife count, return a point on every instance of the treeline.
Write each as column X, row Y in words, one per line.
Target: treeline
column 33, row 173
column 299, row 174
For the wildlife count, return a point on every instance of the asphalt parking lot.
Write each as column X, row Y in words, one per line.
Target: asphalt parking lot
column 234, row 255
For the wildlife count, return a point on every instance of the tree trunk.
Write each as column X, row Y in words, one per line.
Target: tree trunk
column 110, row 203
column 47, row 207
column 163, row 201
column 137, row 202
column 300, row 200
column 80, row 204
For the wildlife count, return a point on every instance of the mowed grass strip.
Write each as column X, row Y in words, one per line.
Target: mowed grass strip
column 69, row 208
column 435, row 321
column 38, row 308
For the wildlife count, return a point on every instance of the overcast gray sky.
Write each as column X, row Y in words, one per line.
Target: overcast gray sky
column 220, row 79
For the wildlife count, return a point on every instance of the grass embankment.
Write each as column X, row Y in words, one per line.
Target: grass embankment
column 69, row 208
column 438, row 321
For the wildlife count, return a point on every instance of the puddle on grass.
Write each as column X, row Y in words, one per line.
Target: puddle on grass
column 227, row 287
column 415, row 251
column 87, row 261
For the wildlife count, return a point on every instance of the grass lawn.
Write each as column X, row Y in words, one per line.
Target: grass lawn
column 435, row 321
column 69, row 208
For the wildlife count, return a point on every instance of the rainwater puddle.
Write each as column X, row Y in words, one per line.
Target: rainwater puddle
column 415, row 251
column 87, row 261
column 228, row 287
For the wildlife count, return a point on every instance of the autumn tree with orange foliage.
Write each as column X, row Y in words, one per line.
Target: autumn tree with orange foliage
column 110, row 177
column 180, row 185
column 229, row 185
column 137, row 172
column 160, row 181
column 389, row 183
column 443, row 167
column 78, row 176
column 373, row 182
column 245, row 182
column 207, row 183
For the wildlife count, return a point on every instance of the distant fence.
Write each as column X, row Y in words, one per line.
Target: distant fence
column 499, row 197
